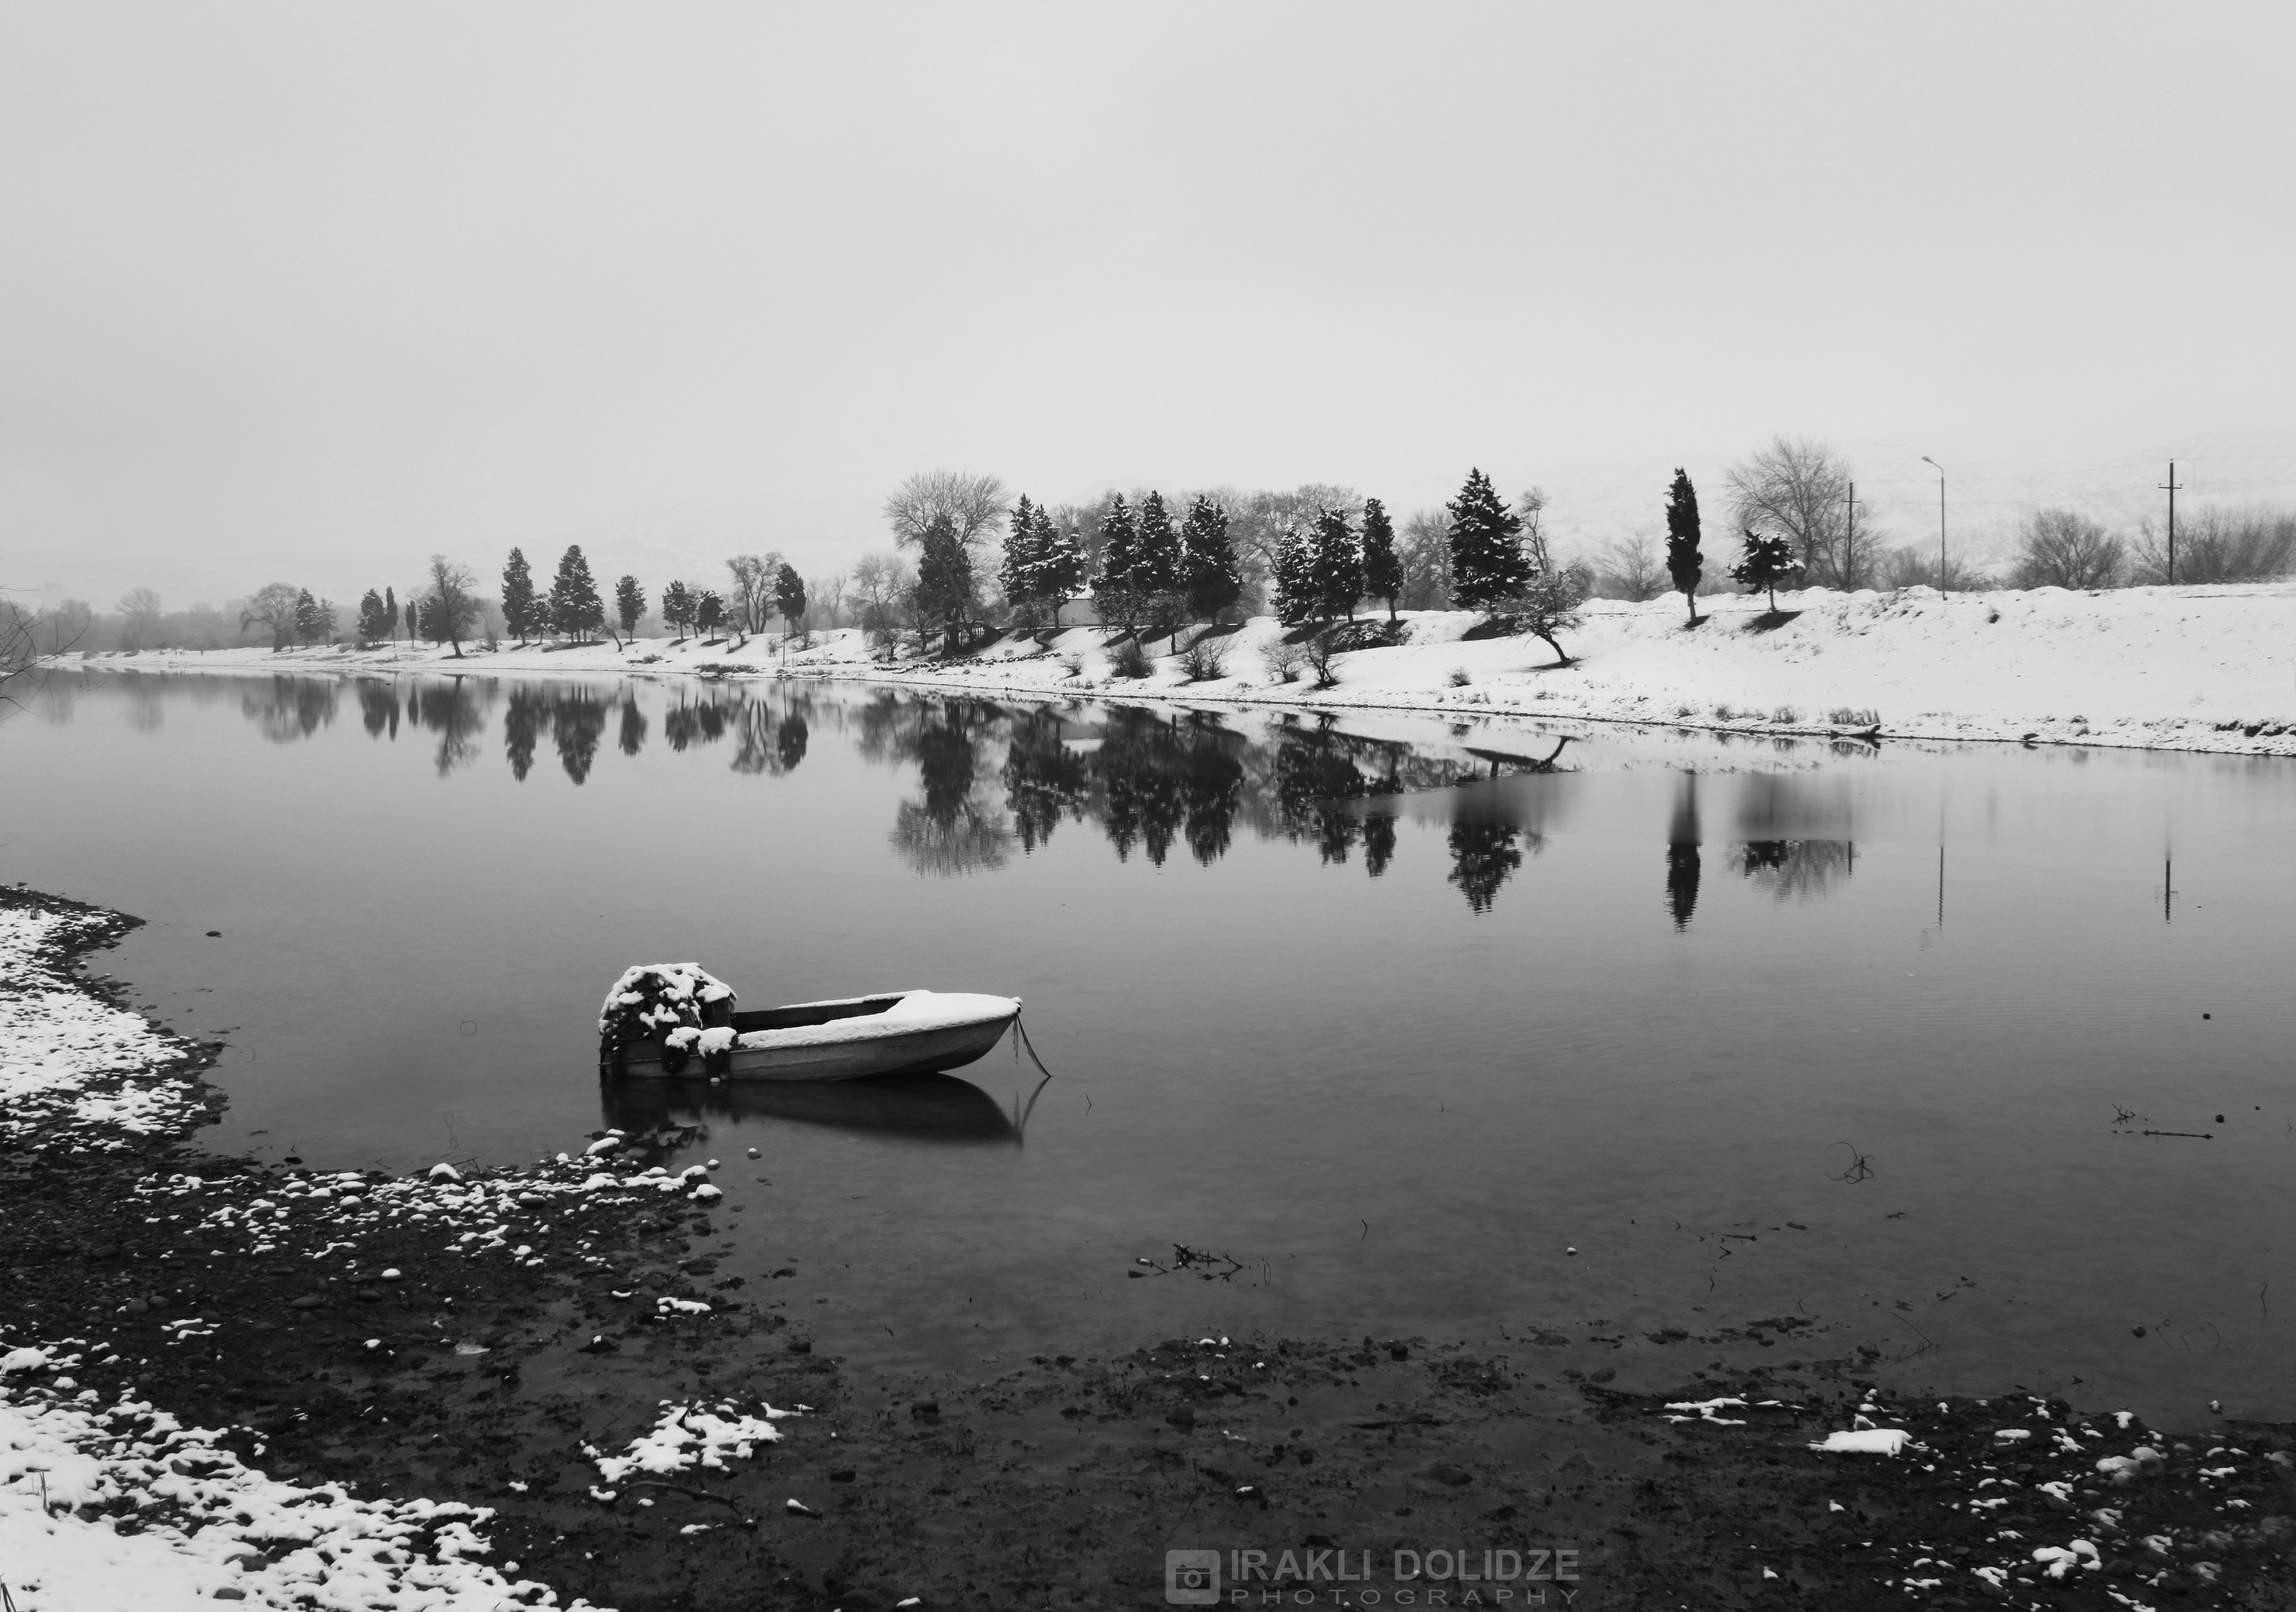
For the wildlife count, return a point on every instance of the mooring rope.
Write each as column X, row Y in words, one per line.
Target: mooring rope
column 1021, row 1039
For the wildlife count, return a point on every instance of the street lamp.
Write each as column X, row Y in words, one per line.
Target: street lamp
column 1939, row 469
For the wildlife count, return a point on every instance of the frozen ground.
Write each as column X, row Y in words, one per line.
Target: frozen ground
column 2183, row 669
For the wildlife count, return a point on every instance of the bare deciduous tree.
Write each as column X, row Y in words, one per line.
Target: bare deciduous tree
column 2064, row 549
column 276, row 605
column 2220, row 546
column 139, row 616
column 1798, row 488
column 753, row 588
column 450, row 593
column 975, row 506
column 1630, row 568
column 828, row 593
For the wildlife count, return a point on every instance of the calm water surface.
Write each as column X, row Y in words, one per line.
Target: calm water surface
column 1393, row 1012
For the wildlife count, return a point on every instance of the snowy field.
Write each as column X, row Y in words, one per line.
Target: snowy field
column 2193, row 668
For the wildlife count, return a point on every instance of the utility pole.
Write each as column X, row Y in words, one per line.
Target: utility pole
column 2170, row 486
column 1939, row 469
column 1849, row 536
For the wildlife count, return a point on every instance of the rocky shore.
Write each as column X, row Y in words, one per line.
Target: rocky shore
column 549, row 1384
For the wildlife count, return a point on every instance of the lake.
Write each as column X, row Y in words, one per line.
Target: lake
column 1975, row 1057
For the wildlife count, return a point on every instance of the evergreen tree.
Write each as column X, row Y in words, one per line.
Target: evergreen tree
column 709, row 611
column 789, row 596
column 1336, row 566
column 1119, row 546
column 309, row 622
column 1764, row 562
column 1023, row 556
column 575, row 608
column 518, row 604
column 1295, row 579
column 629, row 604
column 1683, row 559
column 944, row 580
column 374, row 620
column 1382, row 567
column 678, row 607
column 1059, row 574
column 1214, row 582
column 1488, row 563
column 390, row 609
column 413, row 619
column 1158, row 564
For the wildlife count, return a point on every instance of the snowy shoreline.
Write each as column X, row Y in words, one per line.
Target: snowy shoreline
column 2202, row 669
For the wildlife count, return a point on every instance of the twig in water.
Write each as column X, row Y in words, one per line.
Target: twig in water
column 2195, row 1135
column 1366, row 1230
column 1861, row 1166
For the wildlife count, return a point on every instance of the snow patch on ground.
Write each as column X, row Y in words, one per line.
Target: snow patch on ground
column 73, row 1068
column 688, row 1436
column 121, row 1508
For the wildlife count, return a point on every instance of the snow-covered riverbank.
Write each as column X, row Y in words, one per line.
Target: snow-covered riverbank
column 2164, row 669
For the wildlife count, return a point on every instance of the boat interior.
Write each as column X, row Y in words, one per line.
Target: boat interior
column 791, row 1019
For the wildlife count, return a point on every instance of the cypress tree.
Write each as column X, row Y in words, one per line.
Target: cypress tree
column 575, row 608
column 1683, row 559
column 518, row 596
column 413, row 620
column 1214, row 582
column 1488, row 563
column 391, row 609
column 1336, row 566
column 1382, row 567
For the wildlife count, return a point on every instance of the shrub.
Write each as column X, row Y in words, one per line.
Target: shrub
column 1459, row 678
column 1854, row 716
column 2061, row 548
column 1320, row 654
column 1204, row 661
column 1723, row 713
column 1128, row 659
column 1072, row 665
column 1283, row 660
column 1785, row 716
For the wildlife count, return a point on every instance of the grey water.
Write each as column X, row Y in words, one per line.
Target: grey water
column 1977, row 1058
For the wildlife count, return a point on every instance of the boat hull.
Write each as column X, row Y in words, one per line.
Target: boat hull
column 885, row 1046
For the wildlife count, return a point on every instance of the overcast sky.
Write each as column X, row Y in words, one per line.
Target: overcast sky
column 306, row 291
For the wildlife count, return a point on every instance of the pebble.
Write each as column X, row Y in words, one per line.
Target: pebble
column 309, row 1301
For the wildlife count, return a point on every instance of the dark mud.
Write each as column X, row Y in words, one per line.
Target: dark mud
column 1379, row 1472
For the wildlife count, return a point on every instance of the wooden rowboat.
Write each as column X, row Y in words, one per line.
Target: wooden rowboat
column 896, row 1033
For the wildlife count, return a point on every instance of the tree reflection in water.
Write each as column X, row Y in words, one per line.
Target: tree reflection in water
column 631, row 737
column 378, row 707
column 1484, row 857
column 290, row 707
column 1796, row 869
column 955, row 829
column 456, row 710
column 1682, row 853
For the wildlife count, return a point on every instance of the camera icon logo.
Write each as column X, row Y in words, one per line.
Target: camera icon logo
column 1192, row 1578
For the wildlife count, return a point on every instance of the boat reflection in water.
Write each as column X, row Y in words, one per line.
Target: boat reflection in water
column 909, row 1108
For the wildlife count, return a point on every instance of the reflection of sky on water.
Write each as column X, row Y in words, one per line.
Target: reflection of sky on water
column 1491, row 988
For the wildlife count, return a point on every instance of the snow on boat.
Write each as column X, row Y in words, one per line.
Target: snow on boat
column 673, row 1018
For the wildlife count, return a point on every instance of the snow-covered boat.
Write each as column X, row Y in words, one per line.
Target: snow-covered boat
column 672, row 1019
